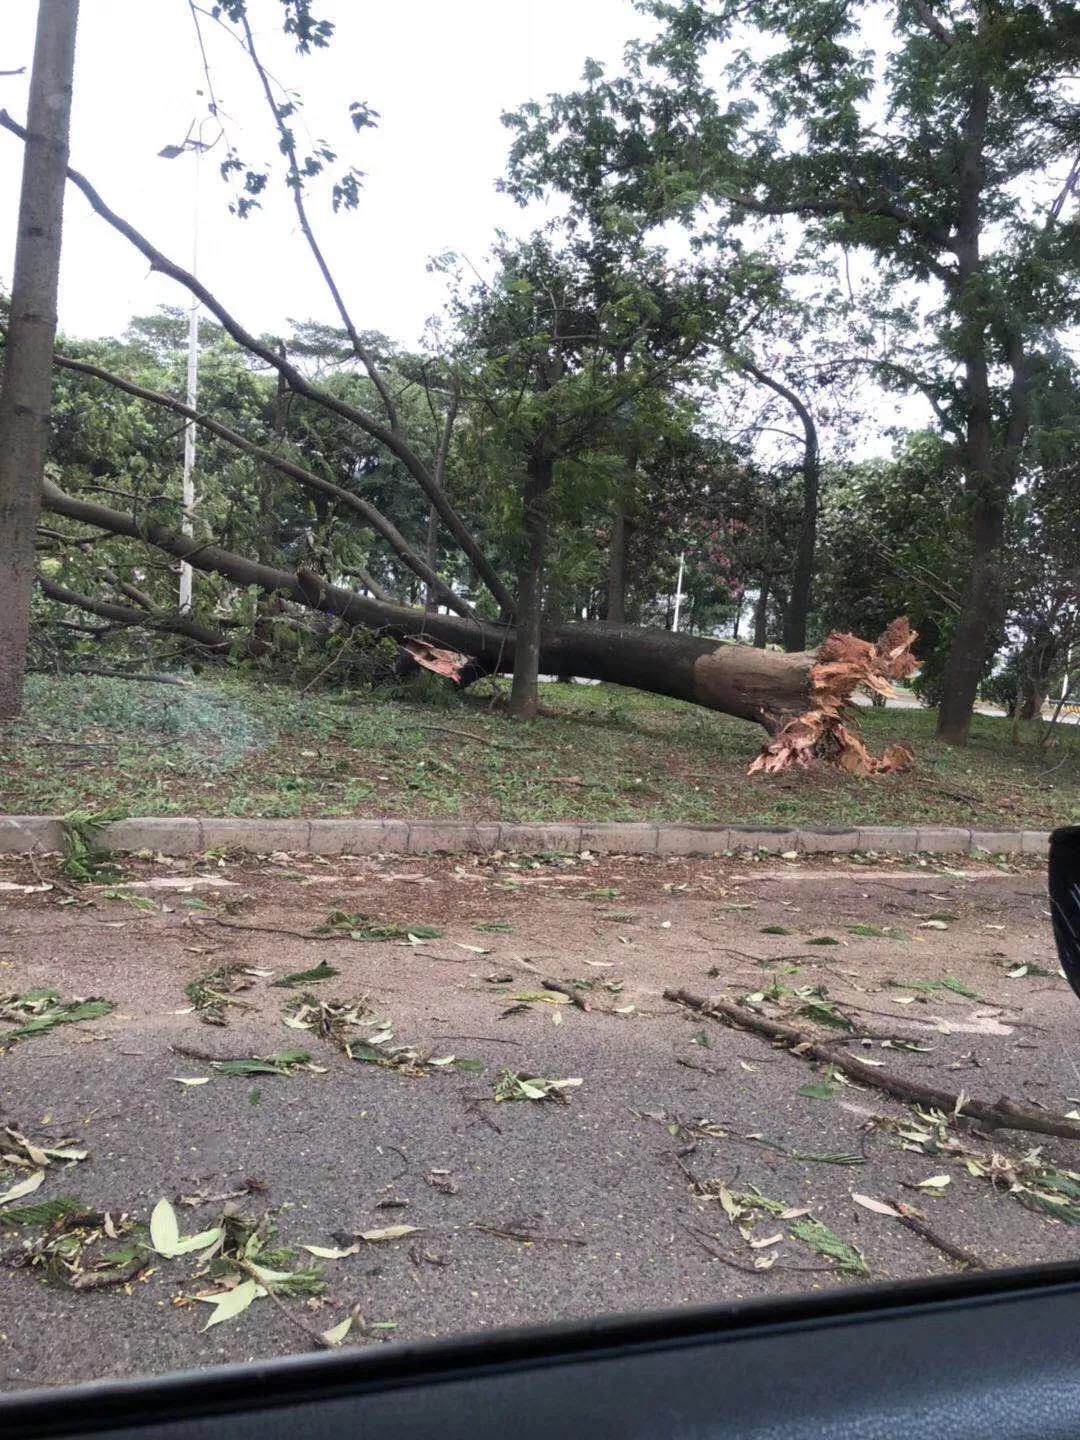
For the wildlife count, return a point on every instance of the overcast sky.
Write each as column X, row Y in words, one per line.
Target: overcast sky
column 440, row 72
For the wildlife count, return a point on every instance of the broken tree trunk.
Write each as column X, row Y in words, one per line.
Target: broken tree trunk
column 798, row 699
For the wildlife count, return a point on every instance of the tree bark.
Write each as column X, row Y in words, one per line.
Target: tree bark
column 539, row 472
column 990, row 465
column 761, row 615
column 763, row 686
column 26, row 388
column 616, row 594
column 797, row 610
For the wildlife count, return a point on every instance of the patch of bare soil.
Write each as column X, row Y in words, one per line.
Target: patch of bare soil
column 310, row 1054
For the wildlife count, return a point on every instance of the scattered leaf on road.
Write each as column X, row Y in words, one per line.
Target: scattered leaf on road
column 879, row 1207
column 230, row 1303
column 337, row 1333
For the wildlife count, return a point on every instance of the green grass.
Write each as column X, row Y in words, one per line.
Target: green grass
column 230, row 746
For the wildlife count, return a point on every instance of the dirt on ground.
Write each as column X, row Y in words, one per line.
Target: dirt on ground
column 693, row 1161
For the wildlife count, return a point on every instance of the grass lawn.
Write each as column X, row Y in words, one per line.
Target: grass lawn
column 232, row 746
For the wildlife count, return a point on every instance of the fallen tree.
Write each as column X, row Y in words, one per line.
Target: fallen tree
column 799, row 699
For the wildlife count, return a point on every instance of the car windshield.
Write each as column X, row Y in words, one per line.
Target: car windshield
column 538, row 640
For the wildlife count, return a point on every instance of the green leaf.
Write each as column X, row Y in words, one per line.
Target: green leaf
column 19, row 1217
column 164, row 1229
column 230, row 1303
column 322, row 971
column 337, row 1333
column 827, row 1243
column 826, row 1013
column 775, row 930
column 950, row 984
column 819, row 1090
column 267, row 1065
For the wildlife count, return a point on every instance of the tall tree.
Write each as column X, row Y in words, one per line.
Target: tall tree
column 933, row 153
column 26, row 384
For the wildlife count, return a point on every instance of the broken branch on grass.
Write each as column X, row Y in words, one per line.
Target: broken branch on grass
column 1003, row 1114
column 387, row 435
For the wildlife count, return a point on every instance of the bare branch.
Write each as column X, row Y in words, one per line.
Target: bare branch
column 937, row 28
column 915, row 380
column 370, row 583
column 296, row 185
column 298, row 382
column 124, row 615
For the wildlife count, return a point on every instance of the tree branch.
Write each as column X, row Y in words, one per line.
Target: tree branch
column 298, row 382
column 124, row 615
column 939, row 30
column 296, row 185
column 849, row 205
column 368, row 513
column 903, row 372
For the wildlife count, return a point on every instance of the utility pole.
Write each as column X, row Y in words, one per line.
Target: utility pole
column 197, row 145
column 678, row 592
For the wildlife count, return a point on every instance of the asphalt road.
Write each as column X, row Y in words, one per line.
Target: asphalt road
column 525, row 1210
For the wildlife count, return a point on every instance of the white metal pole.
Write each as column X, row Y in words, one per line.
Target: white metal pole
column 187, row 521
column 678, row 592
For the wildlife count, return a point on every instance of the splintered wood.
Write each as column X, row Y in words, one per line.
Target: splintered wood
column 827, row 731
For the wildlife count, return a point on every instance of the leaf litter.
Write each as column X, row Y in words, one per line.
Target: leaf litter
column 39, row 1011
column 512, row 1085
column 23, row 1155
column 362, row 927
column 213, row 994
column 372, row 1042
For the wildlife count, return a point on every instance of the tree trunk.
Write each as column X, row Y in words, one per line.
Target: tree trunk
column 990, row 466
column 270, row 605
column 26, row 388
column 763, row 686
column 797, row 610
column 524, row 694
column 616, row 594
column 761, row 615
column 976, row 632
column 431, row 601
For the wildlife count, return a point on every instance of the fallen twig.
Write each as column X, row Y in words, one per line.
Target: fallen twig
column 492, row 1039
column 560, row 987
column 101, row 1279
column 479, row 739
column 530, row 1237
column 955, row 1252
column 190, row 1053
column 1005, row 1113
column 273, row 930
column 705, row 1243
column 315, row 1338
column 56, row 884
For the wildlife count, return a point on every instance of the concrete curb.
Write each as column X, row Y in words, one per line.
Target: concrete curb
column 19, row 833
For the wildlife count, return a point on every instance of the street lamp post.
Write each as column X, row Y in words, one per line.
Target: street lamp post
column 197, row 145
column 678, row 592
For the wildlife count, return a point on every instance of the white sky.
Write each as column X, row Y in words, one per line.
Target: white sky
column 440, row 72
